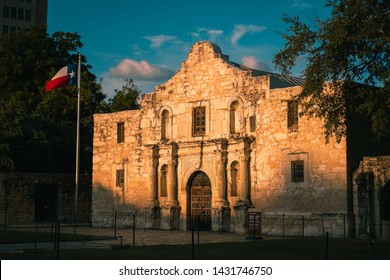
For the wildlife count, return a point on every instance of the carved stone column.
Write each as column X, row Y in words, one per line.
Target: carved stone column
column 222, row 175
column 172, row 176
column 245, row 174
column 153, row 178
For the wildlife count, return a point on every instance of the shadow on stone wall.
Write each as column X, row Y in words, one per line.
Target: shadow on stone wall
column 36, row 198
column 110, row 209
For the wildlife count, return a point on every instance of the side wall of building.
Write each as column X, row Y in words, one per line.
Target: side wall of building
column 323, row 190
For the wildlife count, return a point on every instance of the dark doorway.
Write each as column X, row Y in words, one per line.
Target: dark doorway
column 385, row 202
column 200, row 202
column 45, row 203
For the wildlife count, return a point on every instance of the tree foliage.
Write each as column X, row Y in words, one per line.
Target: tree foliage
column 347, row 69
column 125, row 99
column 37, row 128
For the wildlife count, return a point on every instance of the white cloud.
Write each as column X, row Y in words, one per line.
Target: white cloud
column 140, row 70
column 158, row 40
column 241, row 29
column 298, row 4
column 213, row 34
column 250, row 61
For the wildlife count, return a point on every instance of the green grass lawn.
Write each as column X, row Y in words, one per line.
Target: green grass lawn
column 273, row 249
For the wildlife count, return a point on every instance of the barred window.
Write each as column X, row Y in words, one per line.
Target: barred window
column 297, row 171
column 199, row 121
column 120, row 127
column 292, row 115
column 120, row 178
column 5, row 12
column 28, row 15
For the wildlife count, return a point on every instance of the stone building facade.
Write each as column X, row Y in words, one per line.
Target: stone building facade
column 216, row 141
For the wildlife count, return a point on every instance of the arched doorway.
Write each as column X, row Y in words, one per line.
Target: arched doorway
column 385, row 211
column 199, row 201
column 385, row 202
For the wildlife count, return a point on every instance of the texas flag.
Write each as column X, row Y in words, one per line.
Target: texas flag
column 67, row 76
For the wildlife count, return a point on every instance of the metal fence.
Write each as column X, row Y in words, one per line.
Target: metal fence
column 272, row 224
column 301, row 225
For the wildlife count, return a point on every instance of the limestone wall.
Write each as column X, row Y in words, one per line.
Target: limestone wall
column 110, row 156
column 324, row 185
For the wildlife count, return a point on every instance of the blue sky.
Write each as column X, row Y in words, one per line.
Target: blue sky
column 146, row 40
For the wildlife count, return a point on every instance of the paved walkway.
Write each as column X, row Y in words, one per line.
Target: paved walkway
column 106, row 239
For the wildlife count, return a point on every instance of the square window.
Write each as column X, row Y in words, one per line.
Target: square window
column 297, row 171
column 120, row 178
column 199, row 121
column 21, row 14
column 28, row 15
column 13, row 12
column 120, row 127
column 5, row 11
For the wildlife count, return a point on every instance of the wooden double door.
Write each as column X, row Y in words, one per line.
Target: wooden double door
column 200, row 202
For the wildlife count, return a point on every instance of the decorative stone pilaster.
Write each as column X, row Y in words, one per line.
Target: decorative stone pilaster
column 222, row 176
column 244, row 174
column 153, row 201
column 172, row 176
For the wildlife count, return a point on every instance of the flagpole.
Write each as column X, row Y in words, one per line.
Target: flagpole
column 77, row 143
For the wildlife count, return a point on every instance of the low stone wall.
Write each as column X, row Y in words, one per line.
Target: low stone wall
column 305, row 224
column 36, row 198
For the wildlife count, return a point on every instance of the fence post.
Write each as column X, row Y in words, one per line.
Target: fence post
column 113, row 218
column 303, row 226
column 5, row 219
column 145, row 219
column 192, row 241
column 114, row 223
column 344, row 224
column 58, row 241
column 171, row 218
column 372, row 242
column 198, row 227
column 133, row 229
column 327, row 245
column 283, row 225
